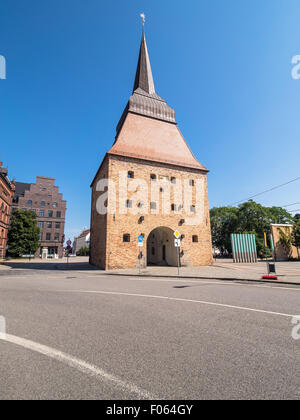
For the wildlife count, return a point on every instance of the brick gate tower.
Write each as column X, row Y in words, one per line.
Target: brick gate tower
column 149, row 184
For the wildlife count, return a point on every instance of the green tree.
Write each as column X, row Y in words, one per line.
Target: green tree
column 223, row 224
column 249, row 217
column 296, row 235
column 24, row 233
column 83, row 252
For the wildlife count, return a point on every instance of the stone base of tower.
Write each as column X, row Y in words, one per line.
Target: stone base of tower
column 114, row 237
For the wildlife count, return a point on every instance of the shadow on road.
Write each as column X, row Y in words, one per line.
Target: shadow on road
column 51, row 266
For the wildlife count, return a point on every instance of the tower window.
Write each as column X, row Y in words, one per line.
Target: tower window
column 153, row 205
column 195, row 238
column 173, row 207
column 140, row 204
column 129, row 204
column 193, row 209
column 126, row 237
column 173, row 180
column 191, row 182
column 130, row 174
column 152, row 177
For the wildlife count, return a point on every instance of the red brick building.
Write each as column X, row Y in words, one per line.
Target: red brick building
column 44, row 198
column 7, row 190
column 153, row 154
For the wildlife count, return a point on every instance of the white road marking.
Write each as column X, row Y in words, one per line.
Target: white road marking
column 78, row 364
column 223, row 305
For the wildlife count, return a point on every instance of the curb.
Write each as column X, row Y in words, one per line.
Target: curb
column 233, row 279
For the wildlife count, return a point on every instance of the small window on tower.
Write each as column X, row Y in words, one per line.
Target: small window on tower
column 195, row 238
column 153, row 205
column 153, row 177
column 126, row 237
column 129, row 204
column 192, row 182
column 173, row 180
column 193, row 209
column 130, row 174
column 173, row 207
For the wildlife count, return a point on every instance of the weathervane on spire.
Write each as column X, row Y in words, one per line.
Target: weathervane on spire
column 143, row 18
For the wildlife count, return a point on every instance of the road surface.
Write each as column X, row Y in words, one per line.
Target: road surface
column 80, row 335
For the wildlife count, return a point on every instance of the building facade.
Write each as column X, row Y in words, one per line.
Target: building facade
column 44, row 198
column 82, row 241
column 282, row 252
column 7, row 190
column 155, row 186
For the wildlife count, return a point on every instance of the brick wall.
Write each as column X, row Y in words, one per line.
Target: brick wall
column 6, row 196
column 108, row 250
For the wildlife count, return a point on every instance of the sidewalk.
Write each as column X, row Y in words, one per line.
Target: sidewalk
column 224, row 270
column 287, row 272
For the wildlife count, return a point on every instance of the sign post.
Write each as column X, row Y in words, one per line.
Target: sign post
column 177, row 244
column 140, row 244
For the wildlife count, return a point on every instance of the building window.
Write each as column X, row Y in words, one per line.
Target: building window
column 193, row 209
column 41, row 236
column 50, row 213
column 42, row 213
column 126, row 237
column 56, row 236
column 195, row 238
column 173, row 180
column 55, row 205
column 49, row 225
column 41, row 225
column 130, row 174
column 191, row 182
column 29, row 203
column 129, row 204
column 57, row 225
column 140, row 204
column 153, row 177
column 173, row 207
column 48, row 236
column 43, row 204
column 58, row 214
column 153, row 205
column 161, row 190
column 180, row 207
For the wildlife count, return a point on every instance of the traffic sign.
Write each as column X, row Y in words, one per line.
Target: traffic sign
column 69, row 242
column 69, row 248
column 177, row 243
column 177, row 234
column 140, row 240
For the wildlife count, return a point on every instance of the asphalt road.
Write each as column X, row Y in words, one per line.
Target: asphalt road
column 80, row 335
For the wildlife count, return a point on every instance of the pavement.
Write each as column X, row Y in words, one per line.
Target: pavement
column 222, row 269
column 79, row 333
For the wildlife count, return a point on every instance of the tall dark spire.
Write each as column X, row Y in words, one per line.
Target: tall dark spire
column 144, row 100
column 144, row 78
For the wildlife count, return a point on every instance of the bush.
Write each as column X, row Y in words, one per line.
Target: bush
column 83, row 252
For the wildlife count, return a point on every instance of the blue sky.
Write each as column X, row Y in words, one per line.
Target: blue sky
column 225, row 66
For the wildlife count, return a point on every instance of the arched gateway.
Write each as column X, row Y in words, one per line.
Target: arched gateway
column 160, row 247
